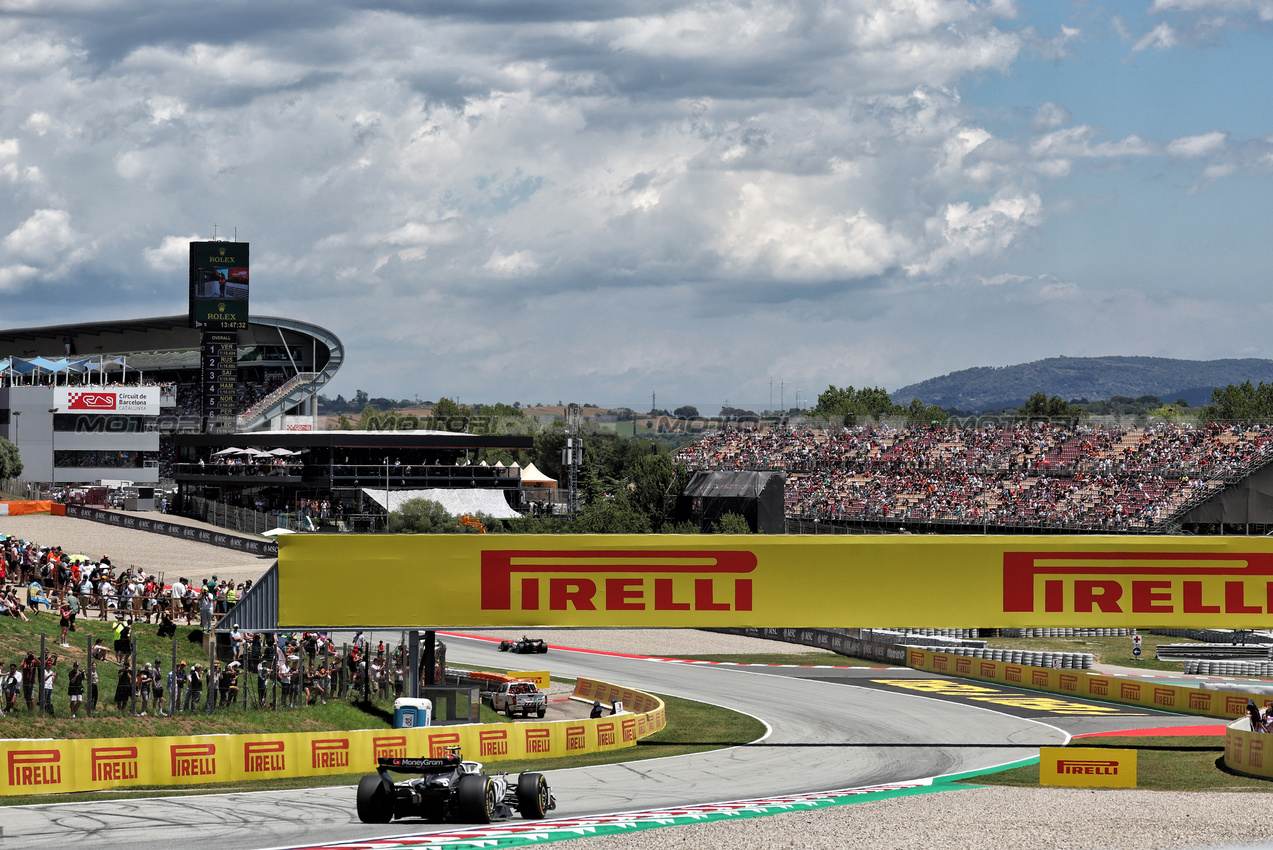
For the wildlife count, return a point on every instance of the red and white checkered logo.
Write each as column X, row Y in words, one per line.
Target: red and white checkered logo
column 91, row 401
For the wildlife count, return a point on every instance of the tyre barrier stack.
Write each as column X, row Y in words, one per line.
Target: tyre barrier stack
column 1250, row 669
column 1069, row 660
column 1215, row 635
column 957, row 634
column 1065, row 633
column 1212, row 652
column 920, row 637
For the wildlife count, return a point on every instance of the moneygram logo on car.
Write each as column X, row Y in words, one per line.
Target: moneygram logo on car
column 617, row 580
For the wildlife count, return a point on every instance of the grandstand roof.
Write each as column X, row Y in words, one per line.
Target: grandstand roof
column 356, row 439
column 132, row 336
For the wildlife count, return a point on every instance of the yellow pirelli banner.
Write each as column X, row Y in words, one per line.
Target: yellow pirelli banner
column 51, row 767
column 1078, row 683
column 1087, row 767
column 775, row 581
column 541, row 678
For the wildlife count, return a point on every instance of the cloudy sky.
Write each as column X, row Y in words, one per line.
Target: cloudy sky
column 543, row 200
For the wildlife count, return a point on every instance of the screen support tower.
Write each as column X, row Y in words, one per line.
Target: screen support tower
column 572, row 457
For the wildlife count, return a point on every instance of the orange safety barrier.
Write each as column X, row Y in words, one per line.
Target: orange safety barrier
column 490, row 677
column 33, row 507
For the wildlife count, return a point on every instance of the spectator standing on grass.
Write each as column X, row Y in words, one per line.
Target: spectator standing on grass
column 145, row 679
column 178, row 679
column 262, row 681
column 50, row 677
column 92, row 686
column 30, row 672
column 123, row 689
column 73, row 602
column 205, row 610
column 157, row 683
column 64, row 614
column 12, row 687
column 75, row 688
column 196, row 688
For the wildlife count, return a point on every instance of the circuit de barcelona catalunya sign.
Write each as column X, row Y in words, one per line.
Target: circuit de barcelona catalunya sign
column 775, row 581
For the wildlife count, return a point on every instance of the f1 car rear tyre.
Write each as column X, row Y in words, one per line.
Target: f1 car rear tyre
column 475, row 798
column 503, row 646
column 374, row 803
column 532, row 796
column 543, row 647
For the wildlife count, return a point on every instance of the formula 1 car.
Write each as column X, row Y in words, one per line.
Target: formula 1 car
column 449, row 789
column 523, row 645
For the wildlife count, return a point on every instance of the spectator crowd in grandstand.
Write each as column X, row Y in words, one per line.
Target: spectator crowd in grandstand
column 1087, row 476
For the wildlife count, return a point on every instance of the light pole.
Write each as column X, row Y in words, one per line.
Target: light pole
column 16, row 414
column 387, row 508
column 53, row 449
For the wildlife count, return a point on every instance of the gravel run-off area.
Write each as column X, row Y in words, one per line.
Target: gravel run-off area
column 987, row 818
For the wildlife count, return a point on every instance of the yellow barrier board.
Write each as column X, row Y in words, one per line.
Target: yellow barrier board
column 541, row 678
column 1246, row 751
column 1087, row 767
column 1177, row 698
column 776, row 581
column 51, row 767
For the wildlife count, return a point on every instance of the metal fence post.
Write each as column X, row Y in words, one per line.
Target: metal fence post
column 132, row 639
column 89, row 670
column 172, row 687
column 39, row 679
column 210, row 680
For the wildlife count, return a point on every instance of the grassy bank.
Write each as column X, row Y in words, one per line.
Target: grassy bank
column 17, row 637
column 1169, row 763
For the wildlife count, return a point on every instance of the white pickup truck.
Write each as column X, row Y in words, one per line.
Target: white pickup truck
column 519, row 698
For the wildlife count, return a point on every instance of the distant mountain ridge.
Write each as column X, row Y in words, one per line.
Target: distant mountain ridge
column 1093, row 378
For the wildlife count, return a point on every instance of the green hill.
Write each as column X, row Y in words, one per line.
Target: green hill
column 1092, row 378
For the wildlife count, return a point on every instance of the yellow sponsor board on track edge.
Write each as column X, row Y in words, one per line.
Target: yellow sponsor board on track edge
column 1087, row 767
column 942, row 581
column 1149, row 694
column 94, row 764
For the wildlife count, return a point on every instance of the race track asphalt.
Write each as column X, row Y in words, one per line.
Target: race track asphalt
column 825, row 734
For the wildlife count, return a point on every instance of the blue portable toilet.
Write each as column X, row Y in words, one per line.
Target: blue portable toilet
column 409, row 713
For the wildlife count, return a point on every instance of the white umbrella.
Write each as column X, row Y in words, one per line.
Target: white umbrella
column 230, row 451
column 256, row 453
column 281, row 452
column 275, row 532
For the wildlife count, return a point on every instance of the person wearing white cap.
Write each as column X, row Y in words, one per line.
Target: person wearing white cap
column 236, row 641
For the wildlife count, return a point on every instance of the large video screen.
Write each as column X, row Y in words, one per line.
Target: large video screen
column 219, row 285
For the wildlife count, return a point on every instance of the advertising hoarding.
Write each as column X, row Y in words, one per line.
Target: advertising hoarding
column 775, row 581
column 94, row 764
column 219, row 285
column 1087, row 767
column 126, row 401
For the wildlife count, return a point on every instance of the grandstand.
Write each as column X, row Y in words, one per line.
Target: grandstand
column 1004, row 477
column 282, row 366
